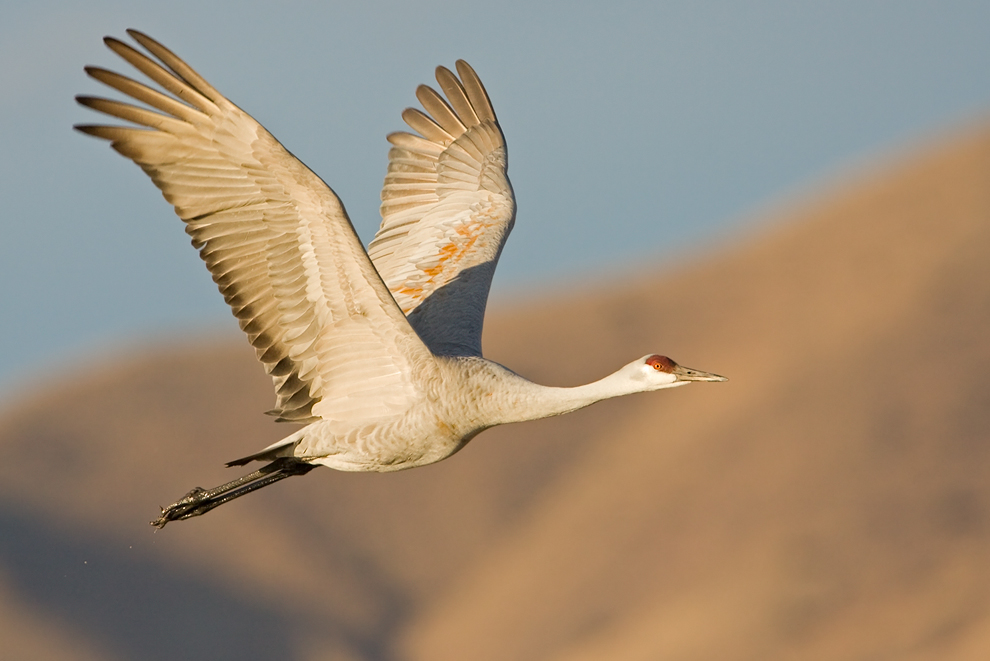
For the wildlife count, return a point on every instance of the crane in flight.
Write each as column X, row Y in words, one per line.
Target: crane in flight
column 377, row 352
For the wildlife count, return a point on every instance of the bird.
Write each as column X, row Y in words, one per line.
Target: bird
column 376, row 352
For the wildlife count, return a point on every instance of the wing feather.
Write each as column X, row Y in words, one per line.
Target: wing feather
column 447, row 209
column 440, row 111
column 275, row 238
column 457, row 96
column 433, row 132
column 476, row 92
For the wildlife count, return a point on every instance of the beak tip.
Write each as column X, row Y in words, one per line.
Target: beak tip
column 704, row 376
column 688, row 374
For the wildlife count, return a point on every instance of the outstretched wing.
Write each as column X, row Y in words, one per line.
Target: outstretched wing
column 275, row 238
column 447, row 209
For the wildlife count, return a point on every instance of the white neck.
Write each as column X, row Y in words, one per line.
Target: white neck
column 533, row 401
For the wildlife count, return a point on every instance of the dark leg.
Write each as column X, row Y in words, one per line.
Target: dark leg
column 200, row 501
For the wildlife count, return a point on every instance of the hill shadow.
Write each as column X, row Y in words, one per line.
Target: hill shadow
column 133, row 605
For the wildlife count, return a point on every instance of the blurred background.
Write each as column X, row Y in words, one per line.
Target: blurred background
column 793, row 195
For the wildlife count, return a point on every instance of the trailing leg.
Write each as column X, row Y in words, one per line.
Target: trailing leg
column 200, row 501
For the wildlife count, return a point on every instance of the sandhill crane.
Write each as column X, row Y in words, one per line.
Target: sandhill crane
column 377, row 351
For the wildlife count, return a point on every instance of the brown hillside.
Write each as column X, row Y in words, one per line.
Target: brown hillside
column 831, row 501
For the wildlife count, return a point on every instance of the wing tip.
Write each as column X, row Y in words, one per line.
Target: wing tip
column 90, row 129
column 139, row 36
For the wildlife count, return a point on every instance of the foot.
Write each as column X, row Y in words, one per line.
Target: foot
column 184, row 508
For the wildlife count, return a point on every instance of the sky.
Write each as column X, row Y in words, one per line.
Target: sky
column 638, row 133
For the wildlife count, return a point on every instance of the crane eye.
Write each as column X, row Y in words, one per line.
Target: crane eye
column 661, row 363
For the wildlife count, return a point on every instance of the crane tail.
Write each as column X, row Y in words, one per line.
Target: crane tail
column 281, row 449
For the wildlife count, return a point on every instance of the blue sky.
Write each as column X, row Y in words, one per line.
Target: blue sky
column 636, row 131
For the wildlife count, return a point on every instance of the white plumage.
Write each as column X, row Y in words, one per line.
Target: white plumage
column 378, row 351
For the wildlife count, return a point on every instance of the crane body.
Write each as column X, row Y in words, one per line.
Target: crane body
column 377, row 352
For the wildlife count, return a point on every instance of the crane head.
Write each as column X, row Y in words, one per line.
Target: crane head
column 662, row 372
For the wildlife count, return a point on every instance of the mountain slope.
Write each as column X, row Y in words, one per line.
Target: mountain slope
column 830, row 501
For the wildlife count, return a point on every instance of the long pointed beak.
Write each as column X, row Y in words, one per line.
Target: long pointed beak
column 687, row 374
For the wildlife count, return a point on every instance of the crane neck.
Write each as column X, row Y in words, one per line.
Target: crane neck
column 526, row 400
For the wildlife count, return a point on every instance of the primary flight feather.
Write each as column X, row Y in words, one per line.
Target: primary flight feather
column 379, row 352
